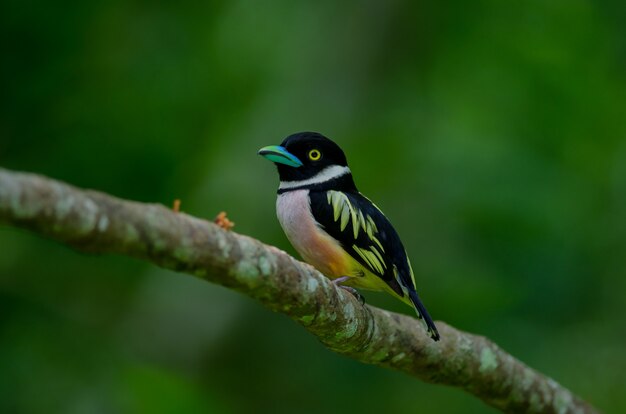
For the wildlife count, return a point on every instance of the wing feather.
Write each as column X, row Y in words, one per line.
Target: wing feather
column 364, row 232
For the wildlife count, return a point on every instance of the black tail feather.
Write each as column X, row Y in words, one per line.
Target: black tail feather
column 423, row 314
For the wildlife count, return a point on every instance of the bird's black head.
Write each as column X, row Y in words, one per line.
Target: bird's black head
column 303, row 155
column 307, row 157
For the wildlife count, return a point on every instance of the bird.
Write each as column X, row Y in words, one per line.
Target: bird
column 334, row 227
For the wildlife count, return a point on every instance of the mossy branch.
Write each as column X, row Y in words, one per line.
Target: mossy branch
column 95, row 222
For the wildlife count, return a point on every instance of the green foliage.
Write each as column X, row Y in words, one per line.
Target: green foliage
column 491, row 133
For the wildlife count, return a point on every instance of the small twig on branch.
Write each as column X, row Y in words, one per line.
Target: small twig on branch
column 95, row 222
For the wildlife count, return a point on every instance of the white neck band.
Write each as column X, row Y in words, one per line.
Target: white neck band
column 327, row 174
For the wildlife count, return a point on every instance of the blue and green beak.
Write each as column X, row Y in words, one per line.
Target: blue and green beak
column 276, row 153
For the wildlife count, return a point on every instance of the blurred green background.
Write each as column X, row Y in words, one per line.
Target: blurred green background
column 493, row 134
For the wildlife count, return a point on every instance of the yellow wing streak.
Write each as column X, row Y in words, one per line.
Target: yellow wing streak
column 345, row 218
column 355, row 223
column 371, row 226
column 344, row 212
column 371, row 257
column 379, row 256
column 411, row 269
column 334, row 200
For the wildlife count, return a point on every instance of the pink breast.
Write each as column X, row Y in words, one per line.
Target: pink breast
column 312, row 243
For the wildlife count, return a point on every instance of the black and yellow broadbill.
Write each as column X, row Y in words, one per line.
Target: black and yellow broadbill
column 334, row 227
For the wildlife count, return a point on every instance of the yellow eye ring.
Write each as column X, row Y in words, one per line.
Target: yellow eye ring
column 315, row 155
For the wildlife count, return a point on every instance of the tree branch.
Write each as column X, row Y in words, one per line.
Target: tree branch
column 95, row 222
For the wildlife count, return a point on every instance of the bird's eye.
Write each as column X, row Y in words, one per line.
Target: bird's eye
column 315, row 155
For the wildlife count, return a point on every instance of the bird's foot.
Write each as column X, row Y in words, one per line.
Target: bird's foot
column 354, row 293
column 338, row 282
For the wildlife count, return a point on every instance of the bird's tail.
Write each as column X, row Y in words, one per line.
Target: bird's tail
column 422, row 314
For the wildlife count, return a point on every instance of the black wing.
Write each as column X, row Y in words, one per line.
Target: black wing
column 368, row 236
column 365, row 233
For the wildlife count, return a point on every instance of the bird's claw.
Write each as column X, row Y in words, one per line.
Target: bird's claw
column 354, row 293
column 338, row 282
